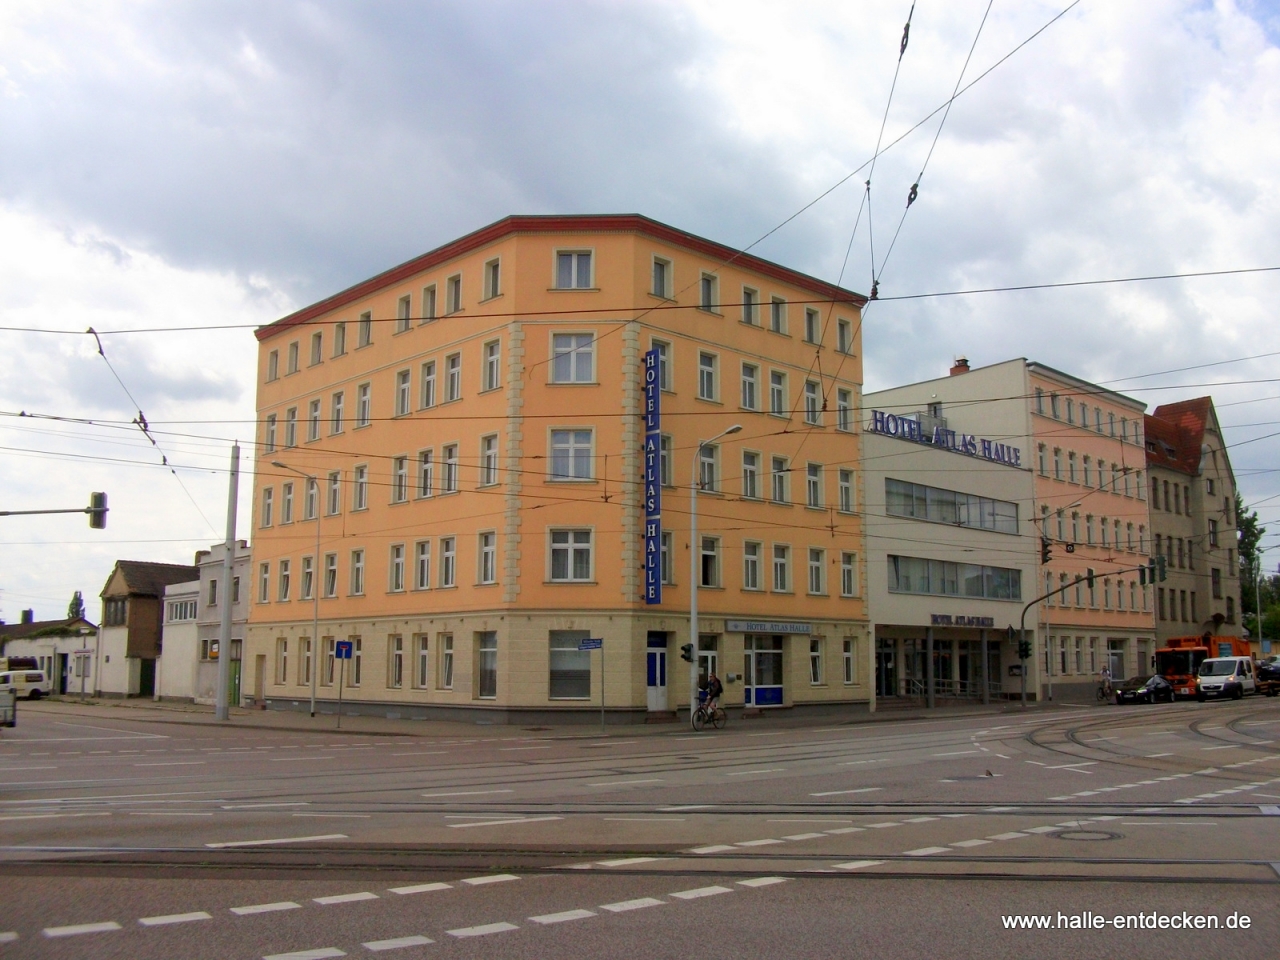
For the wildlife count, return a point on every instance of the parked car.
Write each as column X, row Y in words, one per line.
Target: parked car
column 1226, row 677
column 32, row 684
column 1268, row 678
column 1144, row 690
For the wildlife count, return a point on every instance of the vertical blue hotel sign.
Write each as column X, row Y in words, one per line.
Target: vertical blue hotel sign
column 652, row 479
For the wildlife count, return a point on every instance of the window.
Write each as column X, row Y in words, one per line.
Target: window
column 114, row 612
column 422, row 655
column 811, row 322
column 445, row 677
column 750, row 386
column 487, row 662
column 357, row 573
column 311, row 500
column 572, row 358
column 492, row 279
column 668, row 545
column 665, row 460
column 1213, row 533
column 282, row 660
column 815, row 660
column 751, row 565
column 291, row 427
column 750, row 306
column 662, row 278
column 182, row 610
column 1208, row 485
column 1071, row 466
column 488, row 557
column 1215, row 575
column 817, row 571
column 427, row 377
column 364, row 331
column 448, row 561
column 453, row 294
column 709, row 562
column 939, row 578
column 1088, row 473
column 1088, row 529
column 339, row 339
column 492, row 365
column 286, row 503
column 1040, row 400
column 709, row 467
column 778, row 315
column 573, row 270
column 571, row 455
column 313, row 421
column 845, row 491
column 778, row 470
column 422, row 565
column 273, row 365
column 404, row 310
column 844, row 336
column 781, row 568
column 426, row 468
column 395, row 574
column 488, row 460
column 664, row 363
column 330, row 574
column 360, row 487
column 750, row 475
column 1062, row 528
column 334, row 493
column 428, row 303
column 336, row 413
column 849, row 674
column 1054, row 408
column 1057, row 463
column 920, row 502
column 449, row 479
column 844, row 410
column 570, row 555
column 777, row 393
column 848, row 574
column 402, row 393
column 268, row 495
column 395, row 661
column 293, row 358
column 264, row 582
column 270, row 442
column 1071, row 410
column 308, row 578
column 812, row 403
column 1044, row 463
column 364, row 404
column 1111, row 419
column 708, row 292
column 813, row 485
column 707, row 376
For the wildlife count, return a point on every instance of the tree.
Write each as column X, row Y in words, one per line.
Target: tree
column 76, row 607
column 1250, row 534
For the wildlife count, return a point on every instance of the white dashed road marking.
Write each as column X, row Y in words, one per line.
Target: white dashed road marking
column 174, row 918
column 80, row 928
column 483, row 930
column 265, row 908
column 625, row 905
column 344, row 898
column 563, row 917
column 398, row 943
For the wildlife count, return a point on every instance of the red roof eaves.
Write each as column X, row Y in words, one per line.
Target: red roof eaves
column 596, row 223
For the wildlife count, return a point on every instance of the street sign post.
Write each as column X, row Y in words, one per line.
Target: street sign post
column 341, row 653
column 597, row 643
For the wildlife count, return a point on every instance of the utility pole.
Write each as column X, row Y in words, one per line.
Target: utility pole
column 223, row 711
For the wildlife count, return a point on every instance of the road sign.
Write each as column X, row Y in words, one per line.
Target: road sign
column 591, row 643
column 342, row 649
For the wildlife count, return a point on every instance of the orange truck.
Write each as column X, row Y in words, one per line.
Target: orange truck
column 1179, row 660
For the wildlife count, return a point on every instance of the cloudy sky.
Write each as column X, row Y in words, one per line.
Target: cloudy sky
column 174, row 165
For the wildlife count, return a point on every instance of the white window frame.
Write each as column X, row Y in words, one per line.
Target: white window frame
column 364, row 405
column 847, row 491
column 752, row 551
column 778, row 394
column 268, row 503
column 395, row 572
column 489, row 460
column 813, row 485
column 709, row 293
column 333, row 494
column 574, row 259
column 780, row 568
column 357, row 572
column 453, row 294
column 575, row 349
column 751, row 306
column 666, row 281
column 426, row 473
column 340, row 338
column 404, row 313
column 812, row 403
column 493, row 365
column 360, row 487
column 264, row 582
column 453, row 377
column 330, row 575
column 566, row 443
column 427, row 385
column 403, row 386
column 750, row 386
column 428, row 303
column 571, row 542
column 487, row 557
column 313, row 420
column 399, row 479
column 337, row 412
column 848, row 574
column 422, row 565
column 750, row 474
column 493, row 278
column 778, row 315
column 448, row 562
column 812, row 326
column 364, row 331
column 664, row 364
column 708, row 376
column 779, row 480
column 709, row 468
column 449, row 472
column 817, row 572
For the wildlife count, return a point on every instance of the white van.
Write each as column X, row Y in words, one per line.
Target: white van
column 32, row 684
column 1226, row 677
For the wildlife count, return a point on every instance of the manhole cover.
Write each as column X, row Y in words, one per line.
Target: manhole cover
column 1087, row 835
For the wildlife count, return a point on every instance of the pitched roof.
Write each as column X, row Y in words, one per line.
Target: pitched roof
column 1175, row 434
column 149, row 579
column 569, row 223
column 19, row 631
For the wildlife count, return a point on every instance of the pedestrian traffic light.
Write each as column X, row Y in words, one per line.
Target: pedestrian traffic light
column 686, row 653
column 97, row 511
column 1161, row 568
column 1024, row 649
column 1088, row 577
column 1046, row 550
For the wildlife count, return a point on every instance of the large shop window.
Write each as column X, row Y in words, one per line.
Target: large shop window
column 904, row 499
column 940, row 578
column 570, row 667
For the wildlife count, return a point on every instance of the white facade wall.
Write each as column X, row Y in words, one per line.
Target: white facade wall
column 113, row 668
column 56, row 653
column 180, row 653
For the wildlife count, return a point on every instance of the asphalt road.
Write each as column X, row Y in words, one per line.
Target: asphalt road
column 123, row 837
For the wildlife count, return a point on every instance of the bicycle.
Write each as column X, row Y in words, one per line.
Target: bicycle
column 1104, row 691
column 713, row 715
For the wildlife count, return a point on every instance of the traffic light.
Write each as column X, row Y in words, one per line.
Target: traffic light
column 98, row 511
column 1147, row 574
column 1161, row 568
column 686, row 653
column 1088, row 577
column 1046, row 550
column 1024, row 649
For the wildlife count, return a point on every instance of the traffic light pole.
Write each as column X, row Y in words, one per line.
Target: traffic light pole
column 97, row 511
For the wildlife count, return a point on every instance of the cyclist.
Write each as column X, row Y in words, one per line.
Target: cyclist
column 1104, row 680
column 715, row 689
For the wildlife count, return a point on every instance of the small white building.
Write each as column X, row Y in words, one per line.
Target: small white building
column 64, row 649
column 179, row 661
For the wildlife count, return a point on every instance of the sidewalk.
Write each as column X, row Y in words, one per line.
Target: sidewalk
column 189, row 714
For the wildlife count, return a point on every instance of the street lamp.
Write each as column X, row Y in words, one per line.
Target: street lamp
column 693, row 566
column 315, row 582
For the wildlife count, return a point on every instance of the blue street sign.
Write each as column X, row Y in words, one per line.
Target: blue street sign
column 591, row 643
column 342, row 650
